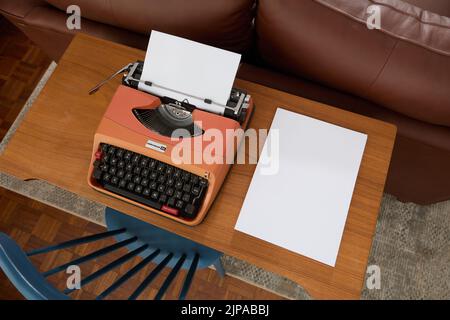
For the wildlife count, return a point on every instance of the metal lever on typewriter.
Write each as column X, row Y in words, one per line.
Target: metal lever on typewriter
column 99, row 85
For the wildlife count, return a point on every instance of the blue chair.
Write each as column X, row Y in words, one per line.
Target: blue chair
column 141, row 239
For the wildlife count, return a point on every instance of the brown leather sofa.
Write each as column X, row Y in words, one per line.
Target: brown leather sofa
column 318, row 49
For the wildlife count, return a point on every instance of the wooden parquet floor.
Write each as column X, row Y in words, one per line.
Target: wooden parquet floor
column 21, row 66
column 34, row 225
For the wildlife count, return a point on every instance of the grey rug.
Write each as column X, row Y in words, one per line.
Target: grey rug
column 411, row 246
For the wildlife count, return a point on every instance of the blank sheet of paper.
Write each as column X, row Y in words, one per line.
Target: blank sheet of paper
column 304, row 206
column 188, row 67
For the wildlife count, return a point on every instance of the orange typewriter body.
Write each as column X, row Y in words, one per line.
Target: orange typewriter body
column 120, row 128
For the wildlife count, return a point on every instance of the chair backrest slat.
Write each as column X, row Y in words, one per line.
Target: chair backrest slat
column 76, row 242
column 151, row 277
column 90, row 256
column 170, row 278
column 128, row 275
column 189, row 277
column 109, row 267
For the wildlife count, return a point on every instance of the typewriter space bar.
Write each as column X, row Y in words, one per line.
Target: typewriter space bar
column 132, row 196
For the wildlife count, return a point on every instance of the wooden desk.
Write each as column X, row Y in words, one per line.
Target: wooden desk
column 54, row 143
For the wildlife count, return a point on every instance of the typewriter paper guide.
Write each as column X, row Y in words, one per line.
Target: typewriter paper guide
column 189, row 67
column 304, row 207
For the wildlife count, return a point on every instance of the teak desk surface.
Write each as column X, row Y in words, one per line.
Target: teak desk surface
column 54, row 143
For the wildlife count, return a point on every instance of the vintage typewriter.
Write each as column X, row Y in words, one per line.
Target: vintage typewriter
column 131, row 158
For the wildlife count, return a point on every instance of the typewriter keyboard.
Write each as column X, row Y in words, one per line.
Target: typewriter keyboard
column 149, row 182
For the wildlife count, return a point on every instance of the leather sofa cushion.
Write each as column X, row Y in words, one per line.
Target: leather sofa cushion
column 404, row 67
column 425, row 133
column 222, row 23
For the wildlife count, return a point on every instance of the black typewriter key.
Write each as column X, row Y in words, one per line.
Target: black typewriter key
column 194, row 180
column 186, row 176
column 154, row 195
column 170, row 182
column 195, row 191
column 137, row 179
column 144, row 162
column 130, row 186
column 113, row 171
column 161, row 188
column 121, row 164
column 163, row 198
column 137, row 170
column 138, row 189
column 127, row 156
column 129, row 167
column 161, row 179
column 97, row 174
column 111, row 150
column 114, row 180
column 104, row 167
column 154, row 185
column 161, row 167
column 123, row 183
column 145, row 172
column 153, row 175
column 106, row 177
column 135, row 159
column 169, row 170
column 186, row 197
column 179, row 204
column 170, row 192
column 144, row 182
column 119, row 153
column 179, row 184
column 171, row 202
column 152, row 164
column 177, row 173
column 114, row 161
column 104, row 147
column 178, row 194
column 128, row 176
column 187, row 187
column 189, row 210
column 105, row 159
column 120, row 173
column 146, row 192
